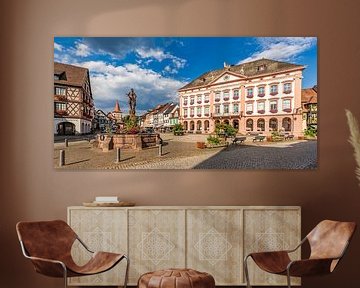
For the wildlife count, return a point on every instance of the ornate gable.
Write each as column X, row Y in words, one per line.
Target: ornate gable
column 227, row 76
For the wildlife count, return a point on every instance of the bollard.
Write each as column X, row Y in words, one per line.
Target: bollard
column 160, row 149
column 62, row 158
column 117, row 155
column 66, row 143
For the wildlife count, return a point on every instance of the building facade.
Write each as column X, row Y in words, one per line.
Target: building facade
column 163, row 117
column 102, row 123
column 259, row 96
column 73, row 101
column 310, row 111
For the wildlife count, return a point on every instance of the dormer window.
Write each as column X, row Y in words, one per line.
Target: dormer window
column 59, row 76
column 261, row 67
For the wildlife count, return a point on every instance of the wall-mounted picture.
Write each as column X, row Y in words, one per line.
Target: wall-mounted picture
column 185, row 103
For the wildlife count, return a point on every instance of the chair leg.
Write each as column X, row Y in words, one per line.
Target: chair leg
column 65, row 276
column 246, row 270
column 288, row 278
column 127, row 271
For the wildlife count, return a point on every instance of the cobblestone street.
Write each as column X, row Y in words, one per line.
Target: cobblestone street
column 180, row 152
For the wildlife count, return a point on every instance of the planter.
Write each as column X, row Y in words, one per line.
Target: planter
column 268, row 138
column 300, row 137
column 200, row 145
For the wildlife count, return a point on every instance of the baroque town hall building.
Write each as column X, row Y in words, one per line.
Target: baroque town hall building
column 258, row 96
column 73, row 101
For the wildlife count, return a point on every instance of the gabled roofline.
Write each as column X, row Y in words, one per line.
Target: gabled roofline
column 227, row 72
column 301, row 67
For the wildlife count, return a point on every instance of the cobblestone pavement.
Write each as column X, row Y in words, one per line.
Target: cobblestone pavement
column 180, row 152
column 290, row 155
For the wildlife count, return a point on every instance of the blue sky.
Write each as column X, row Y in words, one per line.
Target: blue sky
column 157, row 66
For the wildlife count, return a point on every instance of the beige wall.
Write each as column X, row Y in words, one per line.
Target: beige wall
column 32, row 190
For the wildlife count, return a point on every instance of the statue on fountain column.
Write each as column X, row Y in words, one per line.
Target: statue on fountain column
column 132, row 103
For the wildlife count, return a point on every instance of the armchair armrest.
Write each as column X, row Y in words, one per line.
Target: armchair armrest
column 309, row 267
column 49, row 267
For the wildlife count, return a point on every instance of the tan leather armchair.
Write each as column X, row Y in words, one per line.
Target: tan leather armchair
column 48, row 245
column 328, row 242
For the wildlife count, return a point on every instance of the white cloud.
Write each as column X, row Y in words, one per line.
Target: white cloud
column 159, row 55
column 281, row 48
column 58, row 47
column 82, row 50
column 110, row 83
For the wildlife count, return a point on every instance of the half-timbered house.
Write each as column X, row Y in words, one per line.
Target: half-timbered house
column 73, row 101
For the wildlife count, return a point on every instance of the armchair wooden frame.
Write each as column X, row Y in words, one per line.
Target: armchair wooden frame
column 322, row 260
column 65, row 267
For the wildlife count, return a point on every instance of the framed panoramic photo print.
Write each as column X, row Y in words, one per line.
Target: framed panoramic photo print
column 185, row 103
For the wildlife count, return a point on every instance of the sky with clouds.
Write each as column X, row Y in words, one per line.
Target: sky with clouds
column 156, row 67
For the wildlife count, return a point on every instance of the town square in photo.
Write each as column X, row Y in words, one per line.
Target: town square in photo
column 185, row 103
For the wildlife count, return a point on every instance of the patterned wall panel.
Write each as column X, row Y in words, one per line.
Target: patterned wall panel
column 214, row 244
column 156, row 241
column 270, row 230
column 100, row 230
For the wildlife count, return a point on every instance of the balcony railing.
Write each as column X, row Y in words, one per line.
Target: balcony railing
column 206, row 101
column 199, row 115
column 185, row 103
column 273, row 110
column 272, row 93
column 191, row 115
column 236, row 98
column 261, row 111
column 287, row 110
column 199, row 102
column 217, row 99
column 250, row 96
column 261, row 94
column 287, row 91
column 249, row 112
column 192, row 102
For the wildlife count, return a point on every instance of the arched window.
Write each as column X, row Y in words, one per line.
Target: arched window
column 185, row 125
column 206, row 125
column 286, row 124
column 236, row 124
column 198, row 125
column 192, row 126
column 273, row 124
column 261, row 124
column 249, row 125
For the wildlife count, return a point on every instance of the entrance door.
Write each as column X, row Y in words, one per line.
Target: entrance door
column 66, row 128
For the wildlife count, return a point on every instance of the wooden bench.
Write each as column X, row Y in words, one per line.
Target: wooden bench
column 259, row 138
column 240, row 139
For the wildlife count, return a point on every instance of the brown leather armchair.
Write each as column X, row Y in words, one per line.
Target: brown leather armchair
column 48, row 245
column 328, row 242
